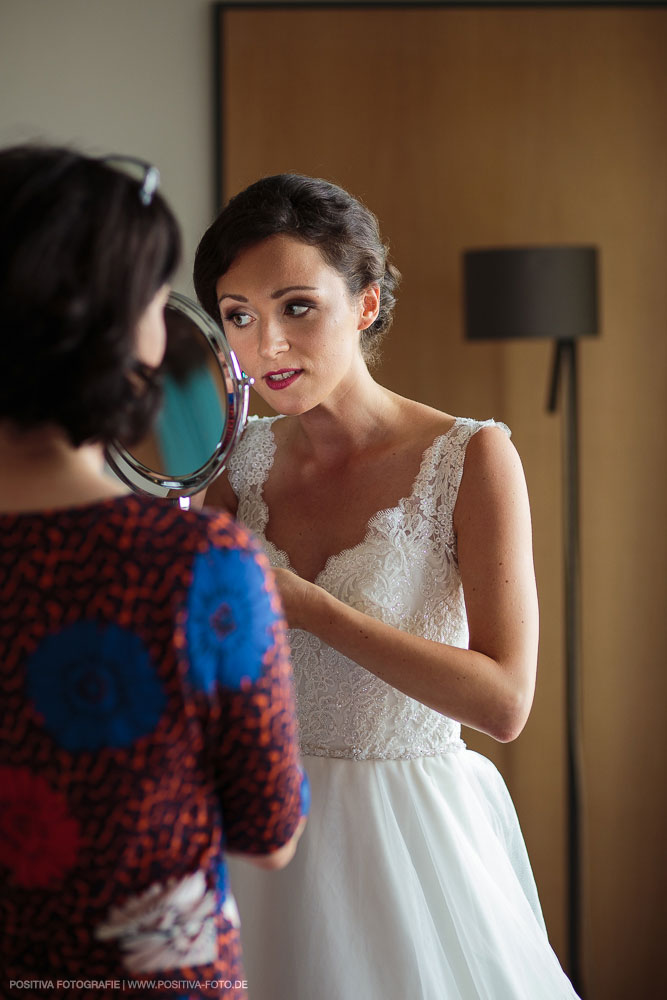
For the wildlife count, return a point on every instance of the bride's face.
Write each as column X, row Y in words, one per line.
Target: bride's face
column 292, row 323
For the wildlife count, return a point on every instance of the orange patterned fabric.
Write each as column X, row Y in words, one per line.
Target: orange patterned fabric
column 146, row 724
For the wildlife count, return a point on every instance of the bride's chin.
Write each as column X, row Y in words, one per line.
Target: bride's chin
column 295, row 410
column 286, row 405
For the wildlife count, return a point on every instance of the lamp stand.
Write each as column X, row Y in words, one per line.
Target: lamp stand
column 565, row 369
column 535, row 292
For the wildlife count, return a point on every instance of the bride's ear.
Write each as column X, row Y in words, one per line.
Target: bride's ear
column 370, row 306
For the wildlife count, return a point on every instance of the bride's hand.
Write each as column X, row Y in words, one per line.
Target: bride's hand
column 297, row 596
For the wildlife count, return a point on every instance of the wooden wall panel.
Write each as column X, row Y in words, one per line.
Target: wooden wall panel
column 465, row 128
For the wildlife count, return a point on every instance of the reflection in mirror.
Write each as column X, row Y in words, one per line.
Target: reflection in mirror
column 192, row 418
column 204, row 409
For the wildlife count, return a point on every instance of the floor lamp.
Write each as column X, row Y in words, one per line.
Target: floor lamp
column 549, row 292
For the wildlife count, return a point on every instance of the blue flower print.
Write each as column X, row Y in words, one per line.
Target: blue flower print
column 95, row 686
column 305, row 792
column 222, row 879
column 230, row 619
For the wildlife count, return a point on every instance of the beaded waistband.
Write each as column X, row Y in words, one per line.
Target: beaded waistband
column 364, row 753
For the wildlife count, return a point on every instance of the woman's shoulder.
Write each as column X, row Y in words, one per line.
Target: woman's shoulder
column 252, row 457
column 474, row 425
column 476, row 444
column 491, row 472
column 420, row 417
column 451, row 445
column 218, row 529
column 429, row 426
column 151, row 524
column 257, row 423
column 471, row 438
column 256, row 431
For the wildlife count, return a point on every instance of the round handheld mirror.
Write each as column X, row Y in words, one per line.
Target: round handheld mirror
column 204, row 410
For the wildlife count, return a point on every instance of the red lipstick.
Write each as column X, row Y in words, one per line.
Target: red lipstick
column 282, row 378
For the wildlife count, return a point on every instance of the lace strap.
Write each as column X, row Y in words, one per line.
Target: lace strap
column 251, row 460
column 442, row 470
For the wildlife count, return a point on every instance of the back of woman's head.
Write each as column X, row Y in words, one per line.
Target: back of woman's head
column 81, row 257
column 316, row 212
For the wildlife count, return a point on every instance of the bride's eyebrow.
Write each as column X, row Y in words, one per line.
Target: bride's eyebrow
column 293, row 288
column 274, row 295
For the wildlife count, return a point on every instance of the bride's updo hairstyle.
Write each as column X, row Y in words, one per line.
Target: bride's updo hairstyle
column 319, row 214
column 81, row 258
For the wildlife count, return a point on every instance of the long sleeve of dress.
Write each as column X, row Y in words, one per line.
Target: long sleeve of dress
column 239, row 654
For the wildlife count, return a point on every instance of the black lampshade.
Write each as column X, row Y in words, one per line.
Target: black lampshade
column 531, row 292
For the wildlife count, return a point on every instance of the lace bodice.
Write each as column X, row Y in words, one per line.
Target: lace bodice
column 404, row 573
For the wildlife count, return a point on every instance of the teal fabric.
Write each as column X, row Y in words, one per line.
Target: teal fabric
column 190, row 423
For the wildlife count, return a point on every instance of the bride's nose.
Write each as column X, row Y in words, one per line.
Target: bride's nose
column 271, row 339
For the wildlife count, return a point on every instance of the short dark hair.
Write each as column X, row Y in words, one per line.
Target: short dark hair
column 80, row 259
column 316, row 212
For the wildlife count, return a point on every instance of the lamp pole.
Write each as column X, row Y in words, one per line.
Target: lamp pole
column 565, row 370
column 549, row 292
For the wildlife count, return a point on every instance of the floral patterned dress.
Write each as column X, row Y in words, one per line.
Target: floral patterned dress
column 146, row 726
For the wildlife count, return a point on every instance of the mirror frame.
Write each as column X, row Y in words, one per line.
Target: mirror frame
column 146, row 481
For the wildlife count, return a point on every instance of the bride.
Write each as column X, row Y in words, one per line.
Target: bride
column 401, row 542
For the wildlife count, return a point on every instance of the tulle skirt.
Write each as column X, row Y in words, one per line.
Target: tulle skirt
column 411, row 880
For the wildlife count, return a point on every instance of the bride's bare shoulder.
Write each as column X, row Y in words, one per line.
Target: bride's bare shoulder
column 422, row 421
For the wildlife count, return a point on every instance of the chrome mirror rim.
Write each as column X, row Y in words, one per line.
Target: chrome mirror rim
column 143, row 480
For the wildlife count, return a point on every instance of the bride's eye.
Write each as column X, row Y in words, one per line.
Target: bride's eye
column 239, row 319
column 297, row 308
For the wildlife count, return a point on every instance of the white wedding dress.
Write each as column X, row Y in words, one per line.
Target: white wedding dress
column 411, row 881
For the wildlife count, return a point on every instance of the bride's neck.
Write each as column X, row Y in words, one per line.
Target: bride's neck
column 41, row 469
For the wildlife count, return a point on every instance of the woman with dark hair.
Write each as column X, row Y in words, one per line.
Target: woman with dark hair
column 401, row 541
column 146, row 711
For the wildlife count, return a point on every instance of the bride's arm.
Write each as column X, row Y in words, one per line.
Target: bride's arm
column 490, row 685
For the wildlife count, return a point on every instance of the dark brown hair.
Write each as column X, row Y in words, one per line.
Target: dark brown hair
column 80, row 259
column 320, row 214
